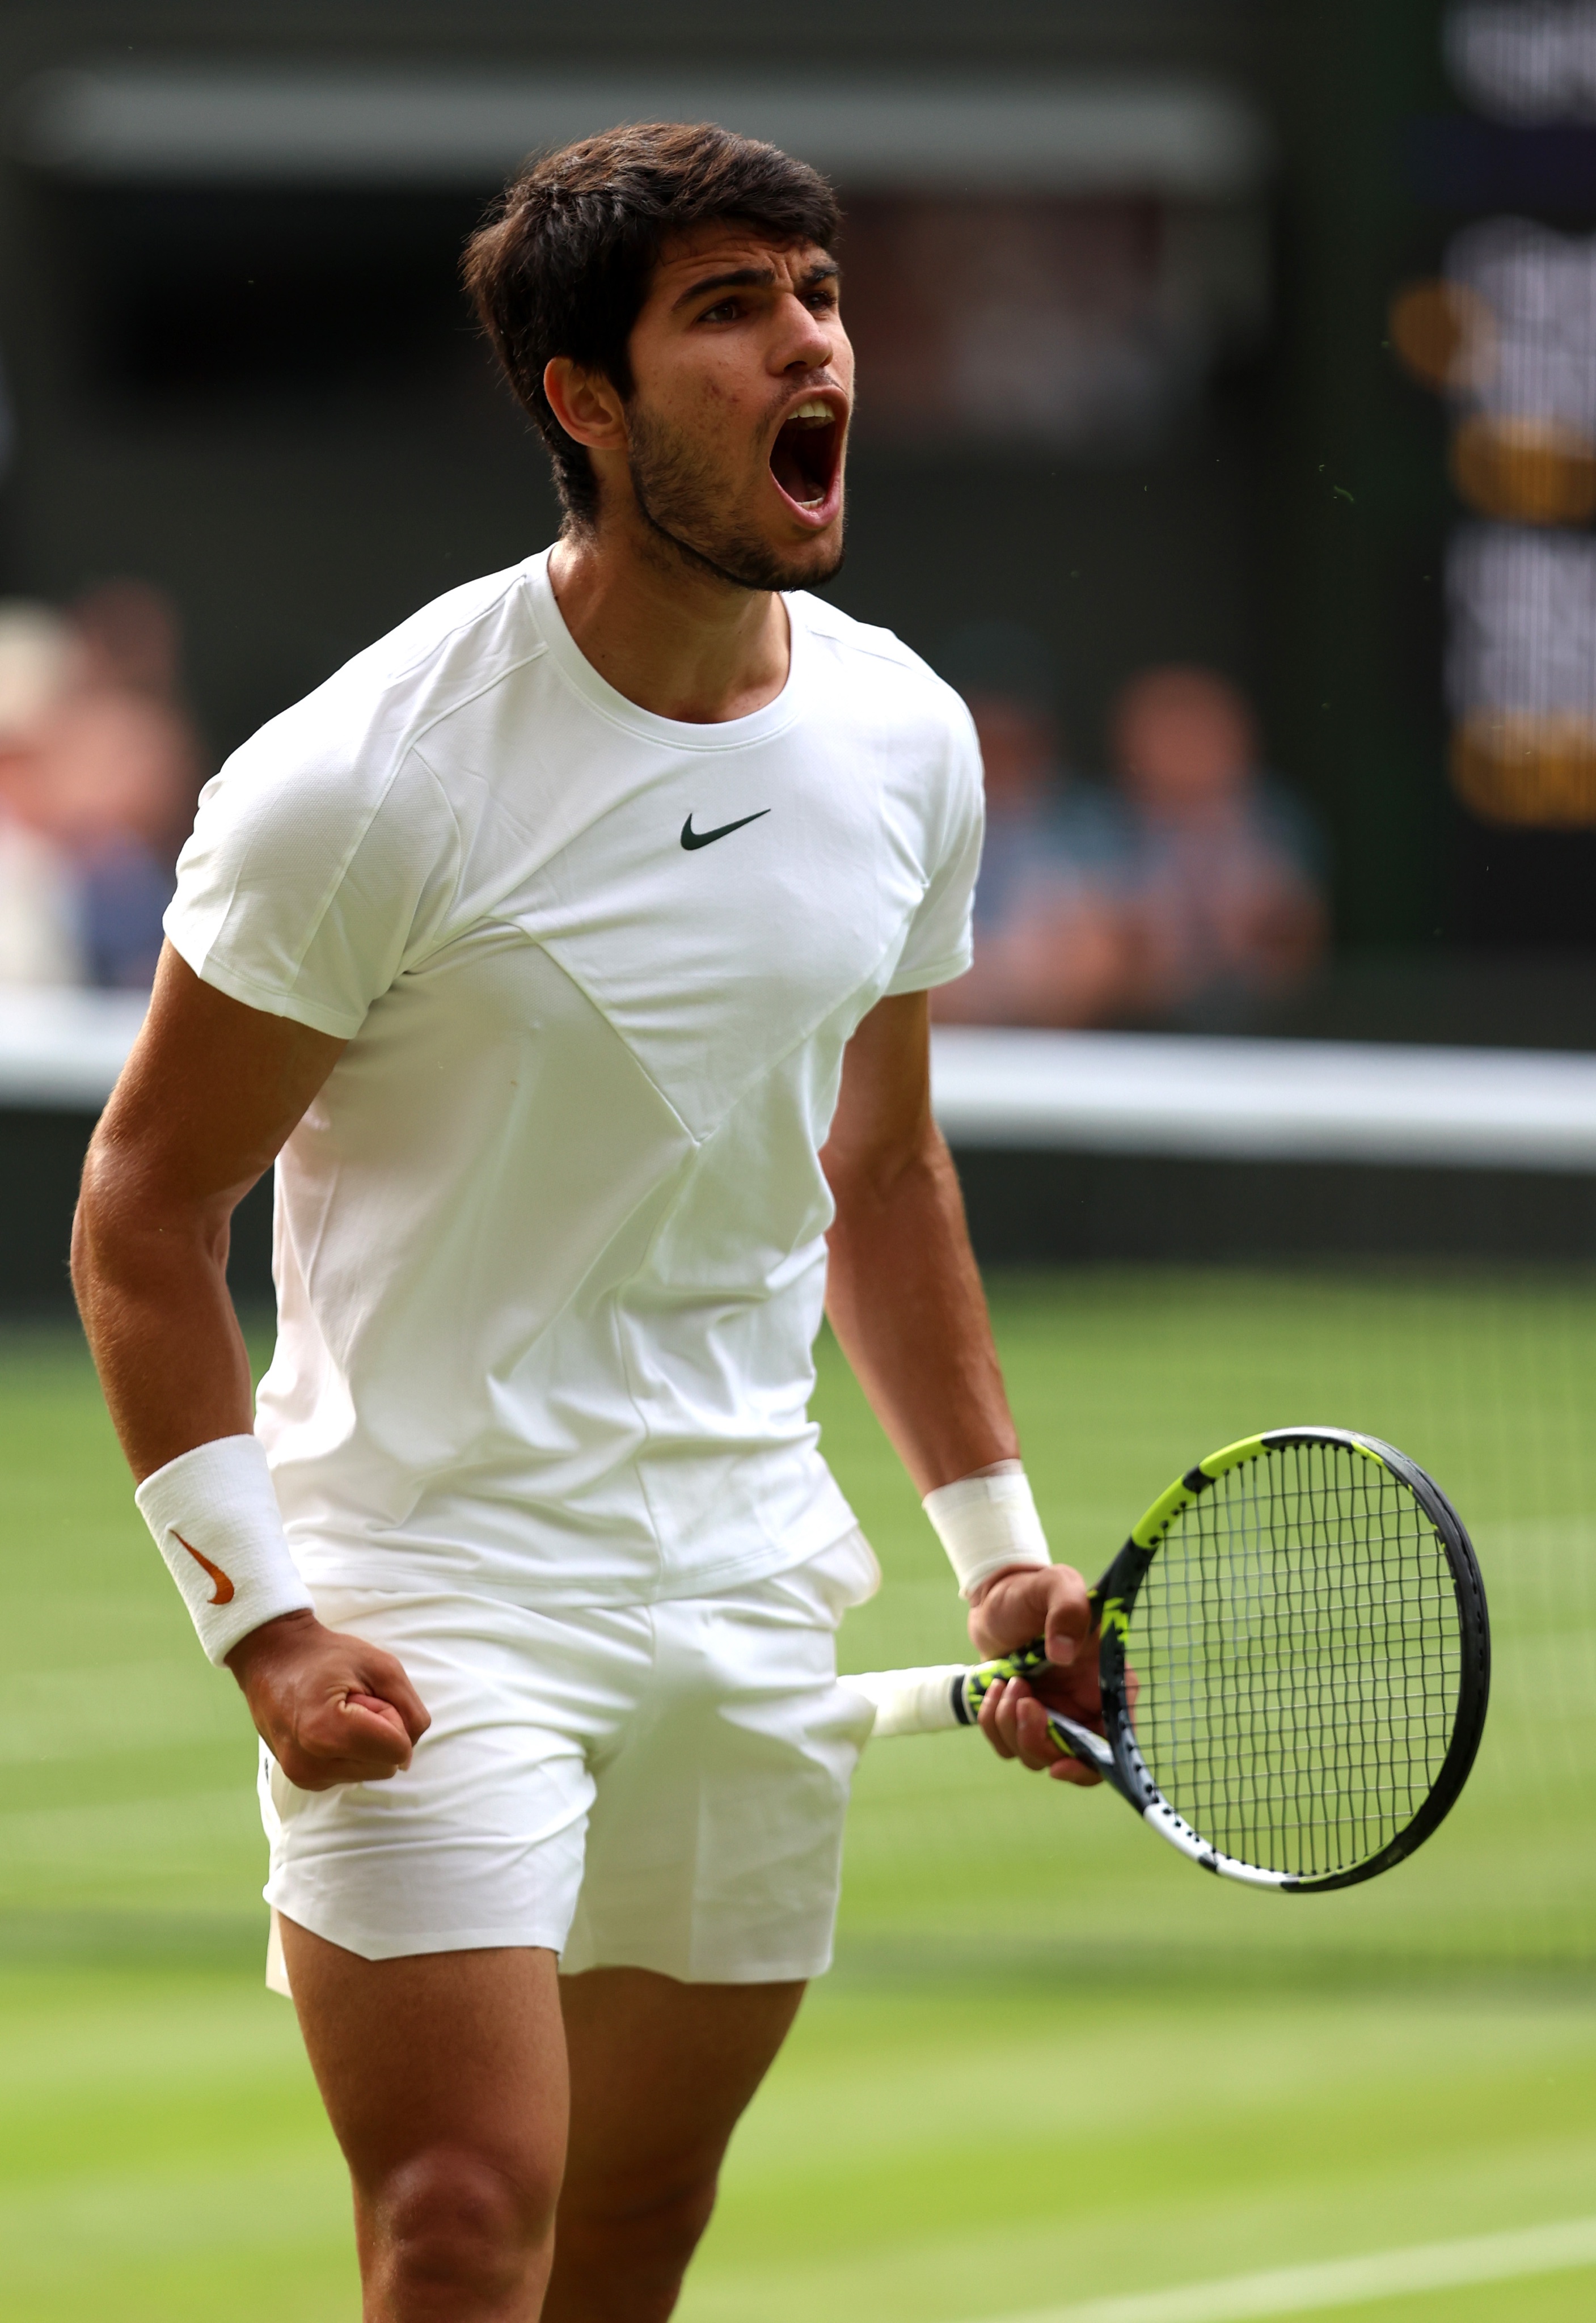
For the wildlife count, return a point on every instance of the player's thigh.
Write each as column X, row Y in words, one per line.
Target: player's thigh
column 455, row 2059
column 660, row 2072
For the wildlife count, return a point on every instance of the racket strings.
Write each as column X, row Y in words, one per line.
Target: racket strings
column 1298, row 1651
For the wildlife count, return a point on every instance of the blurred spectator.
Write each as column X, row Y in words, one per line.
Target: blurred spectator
column 1050, row 928
column 121, row 774
column 1226, row 908
column 104, row 768
column 40, row 933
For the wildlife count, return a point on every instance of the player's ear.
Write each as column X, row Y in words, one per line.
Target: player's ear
column 586, row 404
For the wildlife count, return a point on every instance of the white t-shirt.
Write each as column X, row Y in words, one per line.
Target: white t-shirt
column 549, row 1245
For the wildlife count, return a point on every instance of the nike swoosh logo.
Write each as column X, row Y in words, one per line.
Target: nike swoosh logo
column 692, row 838
column 224, row 1592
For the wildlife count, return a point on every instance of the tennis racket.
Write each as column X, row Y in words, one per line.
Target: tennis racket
column 1294, row 1657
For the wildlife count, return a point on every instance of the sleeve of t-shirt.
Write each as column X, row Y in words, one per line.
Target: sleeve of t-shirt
column 939, row 946
column 313, row 879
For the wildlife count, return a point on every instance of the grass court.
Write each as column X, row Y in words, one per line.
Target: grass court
column 1054, row 2063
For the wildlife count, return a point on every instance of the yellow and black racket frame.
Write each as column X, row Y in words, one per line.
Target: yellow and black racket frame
column 1114, row 1753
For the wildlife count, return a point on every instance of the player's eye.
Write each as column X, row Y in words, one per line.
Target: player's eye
column 724, row 310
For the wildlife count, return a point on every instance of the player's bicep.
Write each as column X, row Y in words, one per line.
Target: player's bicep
column 883, row 1113
column 210, row 1094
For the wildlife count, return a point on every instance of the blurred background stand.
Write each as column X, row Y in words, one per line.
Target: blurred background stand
column 99, row 771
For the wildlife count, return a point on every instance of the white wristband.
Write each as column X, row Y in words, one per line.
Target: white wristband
column 988, row 1521
column 215, row 1521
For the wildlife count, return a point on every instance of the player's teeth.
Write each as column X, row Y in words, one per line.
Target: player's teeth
column 812, row 412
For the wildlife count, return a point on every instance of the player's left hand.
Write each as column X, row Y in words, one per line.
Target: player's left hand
column 1049, row 1601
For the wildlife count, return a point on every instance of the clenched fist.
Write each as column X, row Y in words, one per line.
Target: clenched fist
column 330, row 1708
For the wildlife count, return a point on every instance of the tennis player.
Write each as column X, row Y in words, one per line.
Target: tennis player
column 568, row 953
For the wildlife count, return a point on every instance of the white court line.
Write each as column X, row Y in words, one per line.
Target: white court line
column 1344, row 2281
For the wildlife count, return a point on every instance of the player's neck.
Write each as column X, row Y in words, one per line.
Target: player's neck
column 670, row 637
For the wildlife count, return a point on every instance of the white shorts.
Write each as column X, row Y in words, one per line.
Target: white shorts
column 658, row 1786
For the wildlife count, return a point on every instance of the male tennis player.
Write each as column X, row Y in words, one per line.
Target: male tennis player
column 545, row 947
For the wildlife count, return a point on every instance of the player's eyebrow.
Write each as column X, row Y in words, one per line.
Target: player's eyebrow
column 759, row 278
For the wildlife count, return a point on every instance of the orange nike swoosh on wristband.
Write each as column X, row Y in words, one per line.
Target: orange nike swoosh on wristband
column 223, row 1595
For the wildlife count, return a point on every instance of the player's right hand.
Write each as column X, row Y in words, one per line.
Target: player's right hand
column 330, row 1708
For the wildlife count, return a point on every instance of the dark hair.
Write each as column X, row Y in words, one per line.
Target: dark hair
column 562, row 266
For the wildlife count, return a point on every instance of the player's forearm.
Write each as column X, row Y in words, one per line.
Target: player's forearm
column 905, row 1298
column 149, row 1272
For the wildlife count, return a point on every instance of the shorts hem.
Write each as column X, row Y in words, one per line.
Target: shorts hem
column 424, row 1943
column 797, row 1971
column 367, row 1943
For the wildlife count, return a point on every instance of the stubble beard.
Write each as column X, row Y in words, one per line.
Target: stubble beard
column 677, row 487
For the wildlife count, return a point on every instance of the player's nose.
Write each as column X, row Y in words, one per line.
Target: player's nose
column 804, row 342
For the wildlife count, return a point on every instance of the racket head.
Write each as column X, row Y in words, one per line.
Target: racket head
column 1295, row 1660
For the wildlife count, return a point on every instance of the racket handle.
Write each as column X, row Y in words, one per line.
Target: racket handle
column 911, row 1700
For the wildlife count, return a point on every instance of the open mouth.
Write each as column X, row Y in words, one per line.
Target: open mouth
column 806, row 455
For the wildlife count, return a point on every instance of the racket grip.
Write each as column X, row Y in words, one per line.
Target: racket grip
column 914, row 1701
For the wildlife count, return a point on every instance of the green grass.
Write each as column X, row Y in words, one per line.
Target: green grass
column 954, row 2152
column 1120, row 1381
column 1053, row 2061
